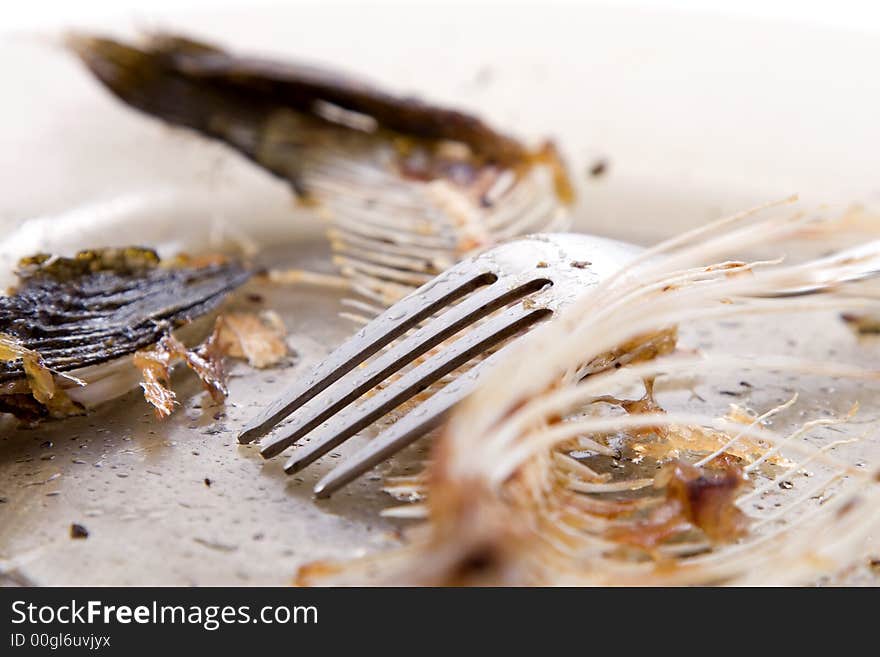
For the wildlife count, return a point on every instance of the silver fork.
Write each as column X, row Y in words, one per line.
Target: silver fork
column 511, row 287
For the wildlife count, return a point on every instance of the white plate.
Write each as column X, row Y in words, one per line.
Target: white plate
column 696, row 116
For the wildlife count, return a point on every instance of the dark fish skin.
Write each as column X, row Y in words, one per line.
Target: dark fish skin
column 236, row 98
column 106, row 304
column 298, row 86
column 150, row 81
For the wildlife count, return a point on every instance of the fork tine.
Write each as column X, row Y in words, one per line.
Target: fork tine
column 346, row 424
column 393, row 323
column 452, row 321
column 406, row 430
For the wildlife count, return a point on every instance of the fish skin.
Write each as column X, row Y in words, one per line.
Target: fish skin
column 104, row 304
column 241, row 100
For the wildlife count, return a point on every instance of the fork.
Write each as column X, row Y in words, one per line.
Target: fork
column 482, row 301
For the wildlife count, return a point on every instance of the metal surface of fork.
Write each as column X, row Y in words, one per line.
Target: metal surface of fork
column 510, row 288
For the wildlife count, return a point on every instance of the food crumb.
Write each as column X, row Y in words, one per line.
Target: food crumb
column 580, row 264
column 78, row 531
column 786, row 485
column 208, row 482
column 542, row 265
column 259, row 339
column 599, row 168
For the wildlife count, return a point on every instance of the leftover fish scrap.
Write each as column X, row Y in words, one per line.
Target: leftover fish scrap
column 544, row 476
column 257, row 338
column 407, row 187
column 70, row 328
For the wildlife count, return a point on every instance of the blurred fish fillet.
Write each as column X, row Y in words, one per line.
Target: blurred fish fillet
column 407, row 187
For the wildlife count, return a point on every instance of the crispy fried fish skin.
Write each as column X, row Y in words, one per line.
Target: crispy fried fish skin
column 107, row 303
column 237, row 99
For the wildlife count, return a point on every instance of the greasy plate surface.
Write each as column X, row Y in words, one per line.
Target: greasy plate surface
column 139, row 485
column 692, row 123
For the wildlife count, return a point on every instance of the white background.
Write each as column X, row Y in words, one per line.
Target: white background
column 863, row 15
